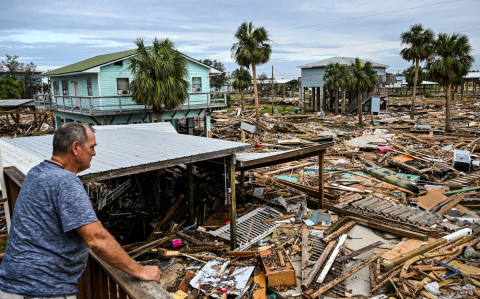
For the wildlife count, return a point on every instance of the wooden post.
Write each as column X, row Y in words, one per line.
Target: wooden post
column 312, row 103
column 191, row 207
column 321, row 165
column 300, row 175
column 242, row 136
column 319, row 98
column 233, row 205
column 156, row 186
column 242, row 178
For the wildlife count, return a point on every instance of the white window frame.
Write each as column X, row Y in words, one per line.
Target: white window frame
column 194, row 89
column 128, row 84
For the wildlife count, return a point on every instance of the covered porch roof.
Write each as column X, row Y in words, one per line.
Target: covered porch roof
column 124, row 150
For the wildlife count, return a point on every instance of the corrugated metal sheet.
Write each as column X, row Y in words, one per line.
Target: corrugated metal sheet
column 121, row 148
column 11, row 103
column 164, row 127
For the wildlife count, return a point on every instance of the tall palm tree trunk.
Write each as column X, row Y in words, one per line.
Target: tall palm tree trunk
column 157, row 114
column 447, row 108
column 336, row 101
column 412, row 110
column 257, row 106
column 359, row 109
column 344, row 102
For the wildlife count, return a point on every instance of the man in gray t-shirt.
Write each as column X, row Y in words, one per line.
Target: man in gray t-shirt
column 54, row 225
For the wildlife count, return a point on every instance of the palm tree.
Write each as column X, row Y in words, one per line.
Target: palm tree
column 242, row 81
column 335, row 77
column 420, row 48
column 451, row 59
column 363, row 78
column 253, row 48
column 159, row 76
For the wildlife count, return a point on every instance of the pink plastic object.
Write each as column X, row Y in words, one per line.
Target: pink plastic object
column 384, row 149
column 177, row 242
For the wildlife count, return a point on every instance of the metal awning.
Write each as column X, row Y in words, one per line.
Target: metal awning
column 253, row 161
column 123, row 151
column 15, row 103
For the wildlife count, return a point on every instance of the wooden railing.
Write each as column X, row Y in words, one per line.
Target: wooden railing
column 99, row 280
column 102, row 281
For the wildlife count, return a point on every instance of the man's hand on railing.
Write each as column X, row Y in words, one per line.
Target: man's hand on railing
column 149, row 273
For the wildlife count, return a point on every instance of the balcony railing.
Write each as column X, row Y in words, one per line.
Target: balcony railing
column 386, row 79
column 121, row 104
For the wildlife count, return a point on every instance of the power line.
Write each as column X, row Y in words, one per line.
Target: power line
column 362, row 17
column 338, row 21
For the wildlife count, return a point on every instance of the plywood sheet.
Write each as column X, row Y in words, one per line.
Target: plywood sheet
column 431, row 199
column 461, row 209
column 408, row 245
column 260, row 290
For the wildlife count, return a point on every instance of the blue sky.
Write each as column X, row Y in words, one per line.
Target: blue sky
column 57, row 33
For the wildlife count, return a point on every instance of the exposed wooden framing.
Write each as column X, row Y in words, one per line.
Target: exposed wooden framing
column 372, row 275
column 305, row 248
column 330, row 261
column 306, row 283
column 167, row 217
column 289, row 156
column 96, row 121
column 191, row 204
column 360, row 251
column 233, row 204
column 156, row 165
column 313, row 191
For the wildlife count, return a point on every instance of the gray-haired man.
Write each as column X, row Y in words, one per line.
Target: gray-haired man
column 54, row 225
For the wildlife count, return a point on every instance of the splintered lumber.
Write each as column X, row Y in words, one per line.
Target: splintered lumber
column 290, row 168
column 387, row 226
column 372, row 275
column 388, row 276
column 277, row 219
column 389, row 264
column 451, row 204
column 306, row 283
column 393, row 230
column 339, row 232
column 332, row 258
column 194, row 240
column 259, row 290
column 149, row 246
column 241, row 253
column 360, row 251
column 166, row 218
column 345, row 275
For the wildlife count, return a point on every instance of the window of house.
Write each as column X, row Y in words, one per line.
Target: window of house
column 65, row 87
column 89, row 87
column 197, row 84
column 122, row 86
column 56, row 89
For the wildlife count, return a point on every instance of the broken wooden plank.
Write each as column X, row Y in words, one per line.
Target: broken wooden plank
column 277, row 219
column 451, row 204
column 332, row 258
column 306, row 283
column 340, row 231
column 345, row 275
column 389, row 264
column 360, row 251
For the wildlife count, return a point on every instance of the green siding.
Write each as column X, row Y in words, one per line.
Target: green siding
column 197, row 70
column 108, row 85
column 81, row 84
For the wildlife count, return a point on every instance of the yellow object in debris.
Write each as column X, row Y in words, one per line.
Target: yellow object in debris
column 180, row 295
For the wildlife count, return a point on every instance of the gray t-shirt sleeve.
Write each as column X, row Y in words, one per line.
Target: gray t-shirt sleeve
column 74, row 207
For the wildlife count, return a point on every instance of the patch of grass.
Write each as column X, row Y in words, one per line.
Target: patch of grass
column 3, row 244
column 281, row 109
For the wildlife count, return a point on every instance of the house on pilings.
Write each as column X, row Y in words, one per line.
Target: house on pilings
column 95, row 92
column 322, row 99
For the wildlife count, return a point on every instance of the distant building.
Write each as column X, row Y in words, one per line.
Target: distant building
column 96, row 91
column 312, row 77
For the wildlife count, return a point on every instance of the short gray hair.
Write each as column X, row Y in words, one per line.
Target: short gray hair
column 66, row 135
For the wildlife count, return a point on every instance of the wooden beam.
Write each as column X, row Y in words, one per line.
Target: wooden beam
column 233, row 204
column 389, row 264
column 330, row 261
column 364, row 220
column 321, row 174
column 306, row 283
column 166, row 218
column 345, row 275
column 342, row 230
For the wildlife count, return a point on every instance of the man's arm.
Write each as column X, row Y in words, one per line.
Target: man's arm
column 99, row 240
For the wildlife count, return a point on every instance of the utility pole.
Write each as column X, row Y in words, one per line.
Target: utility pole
column 272, row 89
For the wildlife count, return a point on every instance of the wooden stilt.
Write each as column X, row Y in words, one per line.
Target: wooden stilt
column 233, row 205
